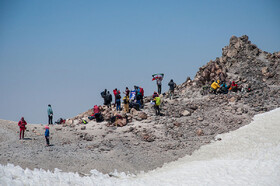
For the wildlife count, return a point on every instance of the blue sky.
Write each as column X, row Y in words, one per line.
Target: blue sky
column 65, row 53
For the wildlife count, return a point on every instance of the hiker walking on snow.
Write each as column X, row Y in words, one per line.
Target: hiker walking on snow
column 50, row 114
column 172, row 86
column 22, row 128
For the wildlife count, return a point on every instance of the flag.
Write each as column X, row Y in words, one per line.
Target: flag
column 157, row 76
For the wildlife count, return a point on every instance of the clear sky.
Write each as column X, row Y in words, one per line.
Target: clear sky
column 66, row 52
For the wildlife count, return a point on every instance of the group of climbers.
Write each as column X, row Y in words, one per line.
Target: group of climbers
column 132, row 99
column 223, row 88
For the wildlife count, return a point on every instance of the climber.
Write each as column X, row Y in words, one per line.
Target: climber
column 224, row 88
column 155, row 94
column 214, row 86
column 157, row 105
column 172, row 86
column 126, row 103
column 234, row 86
column 22, row 128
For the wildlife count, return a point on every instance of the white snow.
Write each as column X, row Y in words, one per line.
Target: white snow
column 247, row 156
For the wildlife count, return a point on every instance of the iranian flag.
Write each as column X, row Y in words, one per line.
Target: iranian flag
column 157, row 76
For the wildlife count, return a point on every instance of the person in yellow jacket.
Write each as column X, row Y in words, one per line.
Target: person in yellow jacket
column 157, row 104
column 126, row 104
column 215, row 85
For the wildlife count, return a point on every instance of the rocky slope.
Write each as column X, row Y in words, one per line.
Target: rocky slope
column 189, row 121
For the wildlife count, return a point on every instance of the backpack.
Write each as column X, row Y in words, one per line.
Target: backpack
column 142, row 91
column 103, row 94
column 118, row 96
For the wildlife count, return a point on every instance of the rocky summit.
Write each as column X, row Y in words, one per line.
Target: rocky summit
column 142, row 141
column 194, row 117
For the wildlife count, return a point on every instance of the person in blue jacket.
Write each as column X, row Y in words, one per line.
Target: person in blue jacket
column 224, row 88
column 47, row 135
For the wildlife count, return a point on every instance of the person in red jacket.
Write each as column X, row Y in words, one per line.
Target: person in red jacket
column 96, row 109
column 234, row 86
column 115, row 91
column 22, row 128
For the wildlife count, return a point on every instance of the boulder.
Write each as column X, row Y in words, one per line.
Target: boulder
column 142, row 115
column 121, row 122
column 134, row 112
column 83, row 128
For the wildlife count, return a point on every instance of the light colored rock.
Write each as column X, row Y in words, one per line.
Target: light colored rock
column 264, row 70
column 134, row 112
column 186, row 113
column 199, row 132
column 142, row 115
column 200, row 119
column 232, row 99
column 121, row 122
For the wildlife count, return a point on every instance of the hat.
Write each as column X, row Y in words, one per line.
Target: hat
column 47, row 127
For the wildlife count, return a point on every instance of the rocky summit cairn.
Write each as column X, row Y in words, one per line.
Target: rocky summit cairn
column 242, row 62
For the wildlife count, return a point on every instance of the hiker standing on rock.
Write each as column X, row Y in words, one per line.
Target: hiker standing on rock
column 22, row 128
column 126, row 103
column 172, row 86
column 50, row 114
column 126, row 92
column 118, row 100
column 103, row 95
column 159, row 85
column 157, row 104
column 47, row 135
column 159, row 78
column 108, row 99
column 115, row 92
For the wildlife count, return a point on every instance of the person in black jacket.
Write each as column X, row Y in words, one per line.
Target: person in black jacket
column 172, row 86
column 108, row 99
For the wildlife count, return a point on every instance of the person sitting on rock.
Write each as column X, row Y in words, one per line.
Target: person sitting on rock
column 22, row 128
column 157, row 105
column 214, row 86
column 234, row 86
column 224, row 88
